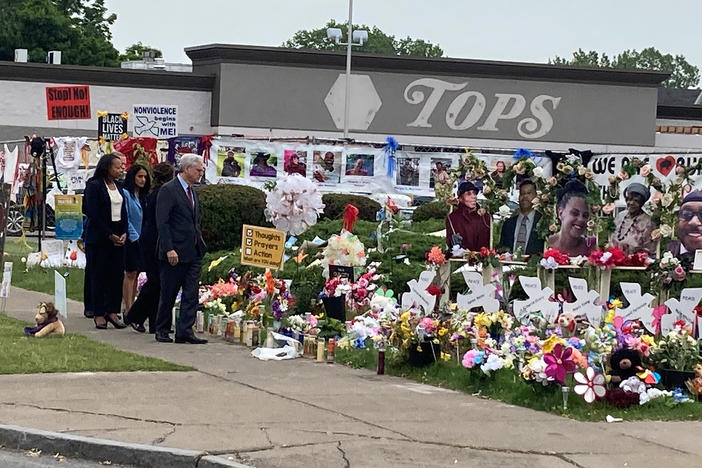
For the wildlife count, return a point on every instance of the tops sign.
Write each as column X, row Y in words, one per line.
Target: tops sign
column 399, row 103
column 68, row 102
column 155, row 121
column 471, row 106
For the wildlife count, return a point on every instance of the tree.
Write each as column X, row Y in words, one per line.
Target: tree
column 136, row 52
column 378, row 42
column 684, row 75
column 80, row 29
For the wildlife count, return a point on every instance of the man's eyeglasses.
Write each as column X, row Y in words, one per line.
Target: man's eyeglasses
column 687, row 215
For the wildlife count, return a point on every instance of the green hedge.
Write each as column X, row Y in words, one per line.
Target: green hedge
column 225, row 208
column 433, row 210
column 334, row 204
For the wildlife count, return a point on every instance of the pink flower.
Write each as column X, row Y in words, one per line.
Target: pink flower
column 428, row 324
column 470, row 357
column 645, row 170
column 679, row 273
column 559, row 362
column 608, row 208
column 590, row 386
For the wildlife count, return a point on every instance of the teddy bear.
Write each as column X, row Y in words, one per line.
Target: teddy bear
column 47, row 321
column 695, row 385
column 624, row 363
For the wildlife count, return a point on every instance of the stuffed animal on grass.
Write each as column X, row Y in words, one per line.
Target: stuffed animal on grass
column 47, row 320
column 624, row 363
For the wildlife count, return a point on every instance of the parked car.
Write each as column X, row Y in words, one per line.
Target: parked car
column 15, row 219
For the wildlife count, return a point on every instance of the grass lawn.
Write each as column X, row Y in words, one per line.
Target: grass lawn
column 39, row 279
column 71, row 353
column 507, row 387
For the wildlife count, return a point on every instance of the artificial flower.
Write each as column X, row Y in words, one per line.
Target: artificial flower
column 551, row 342
column 436, row 256
column 590, row 386
column 559, row 362
column 492, row 364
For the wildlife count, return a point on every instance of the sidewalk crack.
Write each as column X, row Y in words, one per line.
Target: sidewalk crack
column 163, row 438
column 92, row 413
column 343, row 455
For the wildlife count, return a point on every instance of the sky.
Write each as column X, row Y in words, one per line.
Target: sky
column 521, row 31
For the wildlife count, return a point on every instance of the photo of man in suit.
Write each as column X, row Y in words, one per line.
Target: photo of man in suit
column 519, row 231
column 180, row 250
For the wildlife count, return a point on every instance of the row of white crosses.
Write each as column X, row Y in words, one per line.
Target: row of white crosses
column 538, row 302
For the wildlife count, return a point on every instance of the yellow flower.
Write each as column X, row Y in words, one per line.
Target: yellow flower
column 616, row 304
column 482, row 320
column 551, row 342
column 102, row 113
column 405, row 316
column 125, row 116
column 443, row 331
column 446, row 356
column 648, row 339
column 610, row 316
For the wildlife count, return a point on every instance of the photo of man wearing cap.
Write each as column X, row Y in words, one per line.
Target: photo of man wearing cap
column 689, row 226
column 465, row 227
column 633, row 227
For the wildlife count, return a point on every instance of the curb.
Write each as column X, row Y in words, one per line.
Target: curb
column 90, row 448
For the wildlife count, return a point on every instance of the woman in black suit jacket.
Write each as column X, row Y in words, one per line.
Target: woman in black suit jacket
column 146, row 303
column 105, row 235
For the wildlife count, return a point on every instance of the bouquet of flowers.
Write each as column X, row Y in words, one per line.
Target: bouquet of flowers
column 294, row 204
column 554, row 257
column 677, row 351
column 343, row 249
column 609, row 258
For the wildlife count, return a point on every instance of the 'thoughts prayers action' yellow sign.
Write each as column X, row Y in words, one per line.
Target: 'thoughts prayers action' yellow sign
column 262, row 247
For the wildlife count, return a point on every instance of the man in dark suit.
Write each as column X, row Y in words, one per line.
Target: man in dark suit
column 180, row 250
column 520, row 231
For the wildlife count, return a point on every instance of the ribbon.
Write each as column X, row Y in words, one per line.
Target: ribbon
column 390, row 149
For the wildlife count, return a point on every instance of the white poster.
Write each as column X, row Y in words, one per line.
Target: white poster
column 155, row 120
column 60, row 294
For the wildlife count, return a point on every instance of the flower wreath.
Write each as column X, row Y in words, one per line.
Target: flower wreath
column 571, row 167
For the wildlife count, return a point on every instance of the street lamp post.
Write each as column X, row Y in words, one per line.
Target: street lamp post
column 361, row 36
column 347, row 96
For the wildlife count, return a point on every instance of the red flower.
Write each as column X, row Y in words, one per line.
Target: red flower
column 434, row 290
column 558, row 256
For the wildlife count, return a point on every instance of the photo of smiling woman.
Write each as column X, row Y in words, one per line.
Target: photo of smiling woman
column 633, row 227
column 573, row 213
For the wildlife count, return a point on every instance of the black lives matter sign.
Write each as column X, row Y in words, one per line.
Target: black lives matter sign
column 111, row 127
column 68, row 102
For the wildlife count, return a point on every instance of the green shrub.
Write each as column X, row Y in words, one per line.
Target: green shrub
column 433, row 210
column 334, row 204
column 225, row 208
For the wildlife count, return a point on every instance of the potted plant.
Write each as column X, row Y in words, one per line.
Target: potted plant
column 675, row 358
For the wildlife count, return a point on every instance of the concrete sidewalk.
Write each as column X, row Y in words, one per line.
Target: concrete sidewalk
column 301, row 413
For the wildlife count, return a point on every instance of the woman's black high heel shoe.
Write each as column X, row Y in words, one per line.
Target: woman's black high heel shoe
column 115, row 323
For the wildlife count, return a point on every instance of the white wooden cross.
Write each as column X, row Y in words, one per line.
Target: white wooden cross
column 538, row 301
column 639, row 305
column 480, row 295
column 683, row 309
column 586, row 302
column 418, row 295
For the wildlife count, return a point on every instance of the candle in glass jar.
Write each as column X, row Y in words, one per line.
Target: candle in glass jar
column 320, row 350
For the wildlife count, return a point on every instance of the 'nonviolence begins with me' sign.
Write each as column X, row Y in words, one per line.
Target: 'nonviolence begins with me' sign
column 68, row 102
column 155, row 121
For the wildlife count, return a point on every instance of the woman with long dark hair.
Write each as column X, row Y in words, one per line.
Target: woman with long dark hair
column 136, row 187
column 105, row 236
column 146, row 304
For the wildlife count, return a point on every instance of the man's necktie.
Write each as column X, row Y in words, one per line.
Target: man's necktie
column 522, row 234
column 190, row 196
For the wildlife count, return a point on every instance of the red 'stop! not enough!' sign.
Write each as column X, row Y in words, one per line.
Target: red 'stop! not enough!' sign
column 68, row 102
